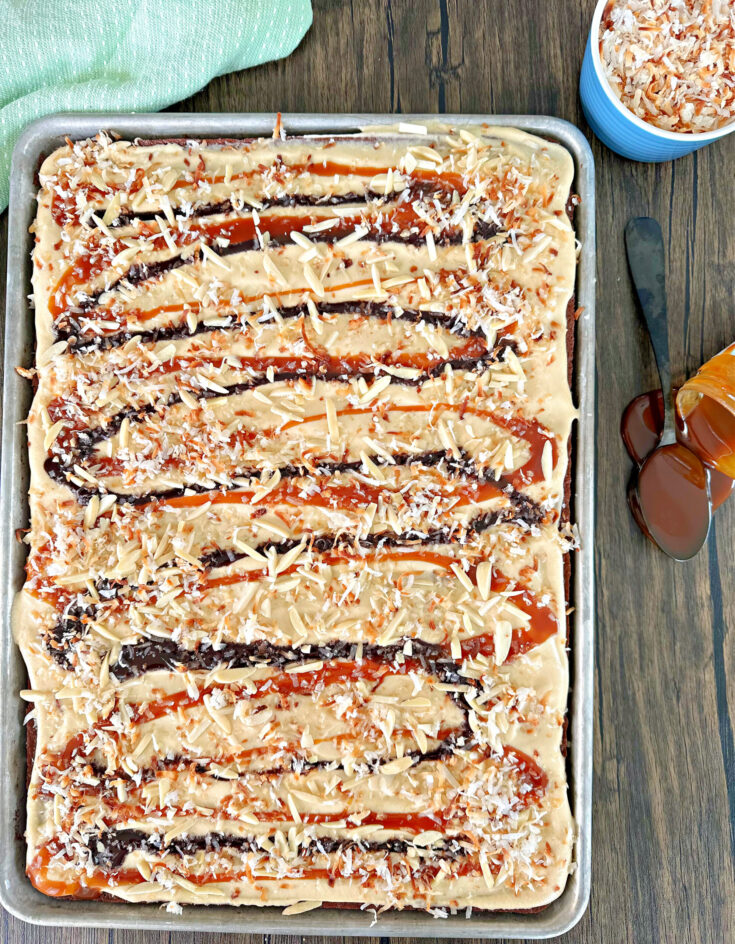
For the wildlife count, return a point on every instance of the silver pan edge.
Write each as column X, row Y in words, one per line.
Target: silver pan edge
column 16, row 893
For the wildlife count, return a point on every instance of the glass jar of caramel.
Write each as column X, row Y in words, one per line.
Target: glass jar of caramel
column 706, row 408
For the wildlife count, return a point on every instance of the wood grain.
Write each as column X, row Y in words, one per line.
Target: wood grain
column 664, row 809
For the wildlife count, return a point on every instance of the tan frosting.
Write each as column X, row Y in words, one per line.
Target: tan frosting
column 205, row 423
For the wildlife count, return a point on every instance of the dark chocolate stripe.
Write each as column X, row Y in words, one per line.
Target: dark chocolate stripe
column 455, row 324
column 110, row 848
column 323, row 543
column 151, row 655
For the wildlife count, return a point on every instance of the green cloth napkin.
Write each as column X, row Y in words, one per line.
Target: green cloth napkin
column 128, row 55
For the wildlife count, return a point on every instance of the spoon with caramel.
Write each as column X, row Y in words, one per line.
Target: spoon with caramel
column 669, row 496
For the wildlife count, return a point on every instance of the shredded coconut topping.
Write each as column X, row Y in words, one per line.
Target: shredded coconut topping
column 672, row 62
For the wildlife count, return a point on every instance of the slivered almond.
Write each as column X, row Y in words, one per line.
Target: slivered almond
column 30, row 694
column 371, row 469
column 124, row 433
column 502, row 637
column 301, row 240
column 142, row 744
column 275, row 526
column 419, row 703
column 391, row 630
column 447, row 439
column 407, row 127
column 320, row 226
column 249, row 551
column 188, row 399
column 296, row 621
column 113, row 210
column 355, row 236
column 462, row 576
column 508, row 458
column 273, row 271
column 313, row 280
column 375, row 273
column 397, row 766
column 52, row 434
column 484, row 578
column 211, row 384
column 289, row 558
column 292, row 808
column 306, row 667
column 376, row 388
column 332, row 422
column 405, row 373
column 227, row 676
column 211, row 256
column 92, row 511
column 102, row 227
column 316, row 321
column 427, row 837
column 300, row 907
column 46, row 356
column 547, row 461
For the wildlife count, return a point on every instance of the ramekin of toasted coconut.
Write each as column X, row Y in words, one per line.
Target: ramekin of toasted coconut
column 658, row 78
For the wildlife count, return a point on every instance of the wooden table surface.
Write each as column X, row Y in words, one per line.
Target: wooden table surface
column 664, row 792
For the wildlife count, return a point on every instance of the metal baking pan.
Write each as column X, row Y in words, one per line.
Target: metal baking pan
column 16, row 893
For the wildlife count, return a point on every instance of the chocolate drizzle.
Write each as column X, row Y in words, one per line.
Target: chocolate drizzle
column 110, row 848
column 152, row 655
column 453, row 323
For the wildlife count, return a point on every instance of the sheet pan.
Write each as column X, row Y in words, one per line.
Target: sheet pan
column 16, row 893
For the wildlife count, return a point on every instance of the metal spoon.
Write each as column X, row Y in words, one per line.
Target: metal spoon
column 669, row 497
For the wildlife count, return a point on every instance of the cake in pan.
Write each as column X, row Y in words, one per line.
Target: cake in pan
column 295, row 615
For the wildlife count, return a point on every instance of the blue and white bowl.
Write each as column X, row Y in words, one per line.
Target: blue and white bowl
column 617, row 126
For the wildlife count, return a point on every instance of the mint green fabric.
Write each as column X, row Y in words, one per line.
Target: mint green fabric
column 128, row 55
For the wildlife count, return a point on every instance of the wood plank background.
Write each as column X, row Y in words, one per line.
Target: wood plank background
column 664, row 810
